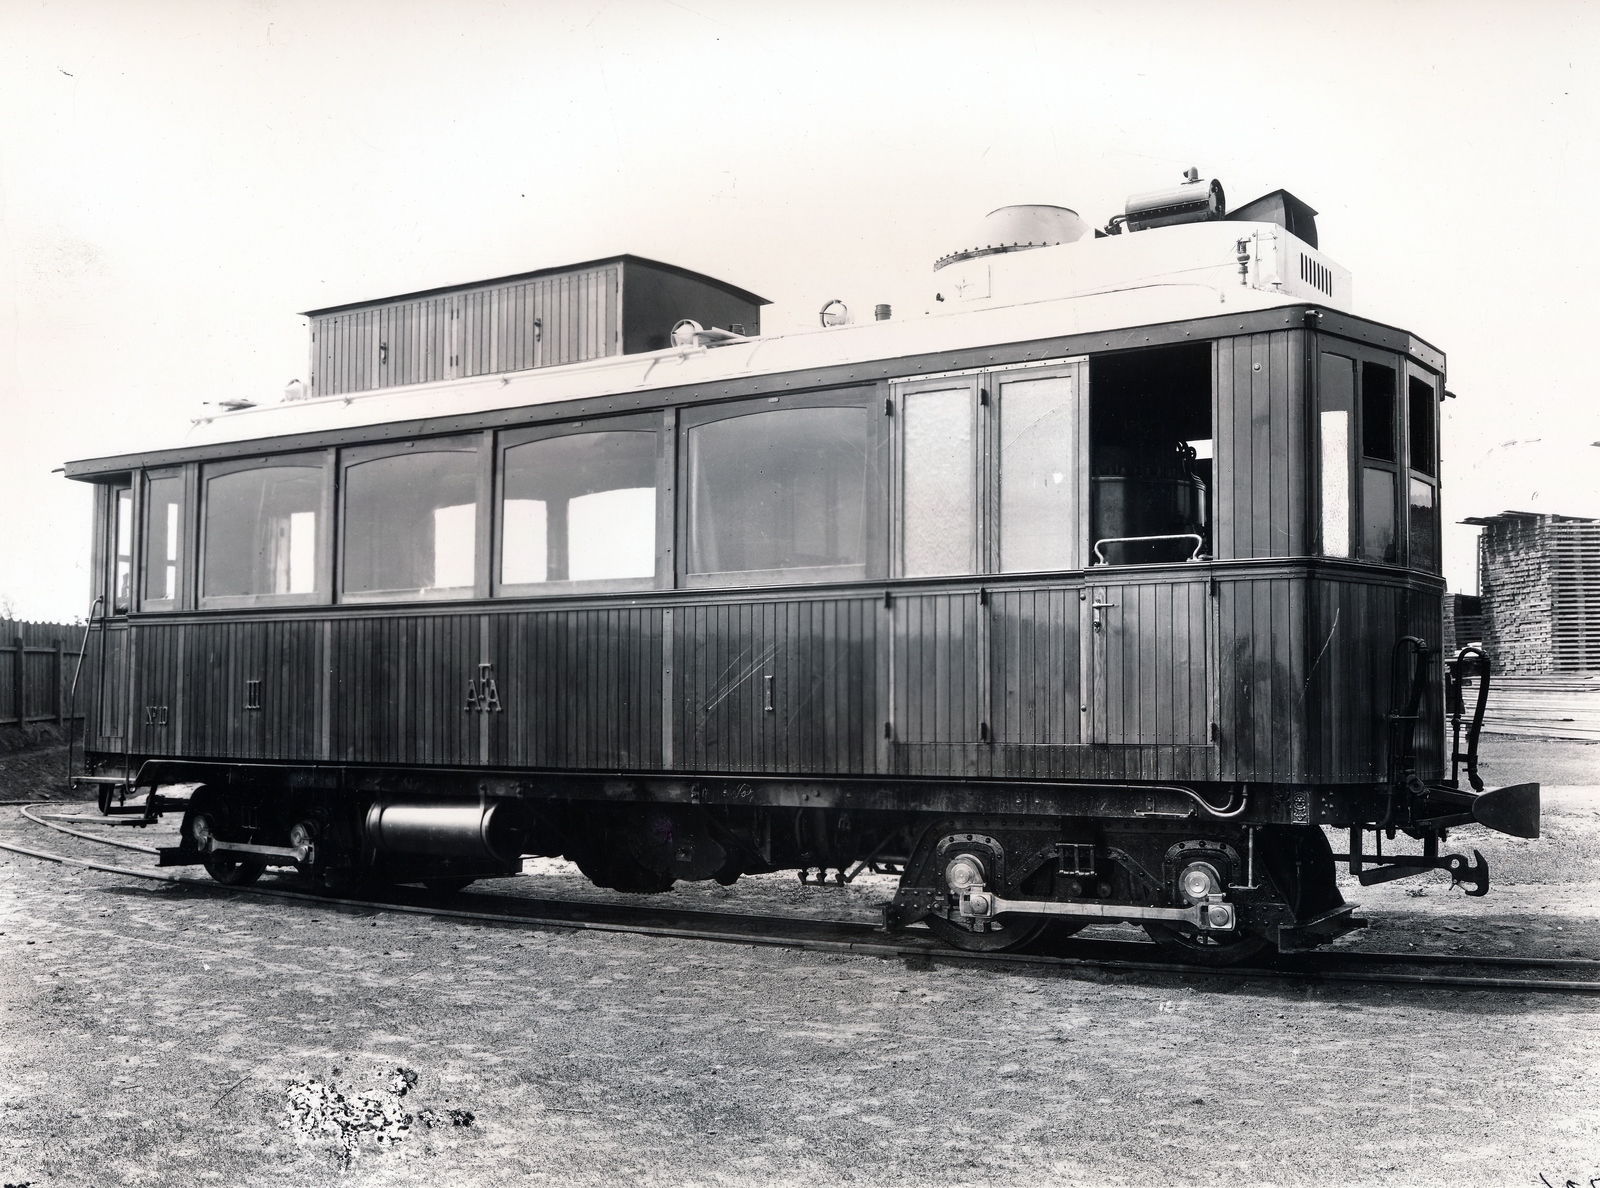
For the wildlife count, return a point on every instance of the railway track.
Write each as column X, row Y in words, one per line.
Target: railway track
column 1443, row 970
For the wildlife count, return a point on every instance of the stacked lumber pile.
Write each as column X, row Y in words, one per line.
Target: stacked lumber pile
column 1555, row 705
column 1540, row 577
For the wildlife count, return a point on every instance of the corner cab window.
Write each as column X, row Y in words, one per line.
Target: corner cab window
column 410, row 522
column 1422, row 512
column 579, row 508
column 122, row 551
column 163, row 534
column 261, row 530
column 779, row 494
column 1150, row 455
column 1379, row 540
column 1336, row 385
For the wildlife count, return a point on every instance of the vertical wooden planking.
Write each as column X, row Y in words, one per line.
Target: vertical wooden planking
column 1240, row 467
column 1258, row 391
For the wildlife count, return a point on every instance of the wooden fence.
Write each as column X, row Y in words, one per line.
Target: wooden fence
column 37, row 661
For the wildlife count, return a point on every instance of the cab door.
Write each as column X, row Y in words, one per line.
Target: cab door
column 1151, row 669
column 106, row 712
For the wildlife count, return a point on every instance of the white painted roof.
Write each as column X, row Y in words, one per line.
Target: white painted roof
column 1140, row 279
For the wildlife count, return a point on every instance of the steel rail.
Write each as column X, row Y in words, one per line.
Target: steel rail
column 1348, row 956
column 99, row 840
column 879, row 946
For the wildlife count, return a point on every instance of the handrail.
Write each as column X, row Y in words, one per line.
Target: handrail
column 72, row 701
column 1199, row 543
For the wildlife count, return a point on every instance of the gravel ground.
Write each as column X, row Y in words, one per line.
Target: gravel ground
column 152, row 1034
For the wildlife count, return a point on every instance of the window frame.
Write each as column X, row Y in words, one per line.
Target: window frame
column 507, row 439
column 143, row 604
column 1435, row 382
column 992, row 419
column 105, row 565
column 323, row 460
column 1360, row 354
column 867, row 397
column 481, row 446
column 977, row 561
column 1394, row 467
column 1352, row 458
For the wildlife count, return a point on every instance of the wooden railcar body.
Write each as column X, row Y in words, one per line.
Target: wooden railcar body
column 1266, row 673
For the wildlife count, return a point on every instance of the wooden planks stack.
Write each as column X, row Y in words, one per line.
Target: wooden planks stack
column 1574, row 567
column 1540, row 577
column 1557, row 705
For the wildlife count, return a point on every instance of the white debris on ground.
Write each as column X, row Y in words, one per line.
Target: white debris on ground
column 319, row 1109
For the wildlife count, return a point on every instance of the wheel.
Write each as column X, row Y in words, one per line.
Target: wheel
column 1004, row 933
column 448, row 885
column 234, row 872
column 1214, row 949
column 200, row 826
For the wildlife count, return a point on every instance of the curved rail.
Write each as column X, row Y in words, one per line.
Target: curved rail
column 839, row 936
column 104, row 841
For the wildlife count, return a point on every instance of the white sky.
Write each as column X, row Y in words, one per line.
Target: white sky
column 178, row 178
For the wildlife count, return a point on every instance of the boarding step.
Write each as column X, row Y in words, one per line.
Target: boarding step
column 113, row 794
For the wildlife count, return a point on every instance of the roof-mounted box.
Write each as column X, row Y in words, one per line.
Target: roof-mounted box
column 621, row 305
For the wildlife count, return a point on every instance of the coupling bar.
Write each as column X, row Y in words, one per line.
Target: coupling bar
column 1210, row 915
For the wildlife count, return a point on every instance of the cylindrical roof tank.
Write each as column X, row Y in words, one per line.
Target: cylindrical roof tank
column 1197, row 201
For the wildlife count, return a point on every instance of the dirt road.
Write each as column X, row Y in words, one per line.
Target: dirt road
column 157, row 1035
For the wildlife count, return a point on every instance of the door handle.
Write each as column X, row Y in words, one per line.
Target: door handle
column 1097, row 608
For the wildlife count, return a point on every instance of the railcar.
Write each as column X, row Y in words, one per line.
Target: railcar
column 1098, row 592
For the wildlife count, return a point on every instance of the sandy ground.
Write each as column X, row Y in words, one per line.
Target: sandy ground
column 153, row 1035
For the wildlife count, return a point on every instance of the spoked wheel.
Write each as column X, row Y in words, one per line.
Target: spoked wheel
column 1215, row 949
column 1003, row 933
column 200, row 827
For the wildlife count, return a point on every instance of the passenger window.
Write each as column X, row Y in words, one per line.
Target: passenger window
column 163, row 535
column 1038, row 473
column 1336, row 381
column 937, row 483
column 410, row 524
column 122, row 544
column 774, row 494
column 261, row 531
column 580, row 507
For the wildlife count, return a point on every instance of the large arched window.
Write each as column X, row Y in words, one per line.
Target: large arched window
column 778, row 494
column 262, row 530
column 577, row 507
column 410, row 520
